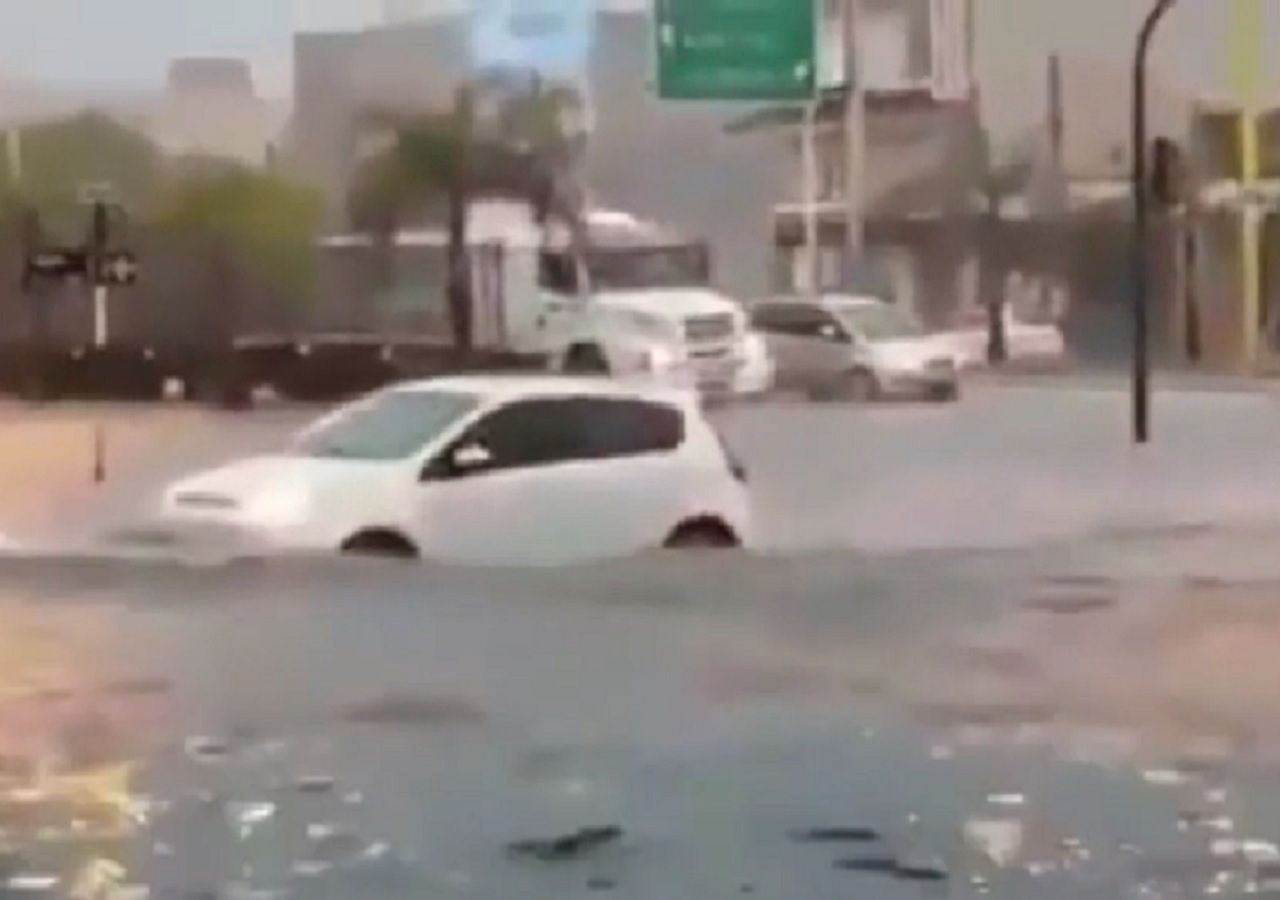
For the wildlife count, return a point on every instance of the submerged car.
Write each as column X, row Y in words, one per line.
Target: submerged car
column 495, row 469
column 854, row 347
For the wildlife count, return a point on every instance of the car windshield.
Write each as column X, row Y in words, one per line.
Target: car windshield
column 650, row 267
column 391, row 426
column 879, row 321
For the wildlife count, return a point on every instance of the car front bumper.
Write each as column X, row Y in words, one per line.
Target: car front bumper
column 919, row 383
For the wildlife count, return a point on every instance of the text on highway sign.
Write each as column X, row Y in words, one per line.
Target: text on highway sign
column 735, row 49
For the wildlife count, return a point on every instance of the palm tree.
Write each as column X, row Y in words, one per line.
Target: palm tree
column 446, row 159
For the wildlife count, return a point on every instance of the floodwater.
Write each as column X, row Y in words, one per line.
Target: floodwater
column 1084, row 711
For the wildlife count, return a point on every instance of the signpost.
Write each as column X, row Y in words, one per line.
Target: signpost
column 94, row 262
column 57, row 263
column 736, row 49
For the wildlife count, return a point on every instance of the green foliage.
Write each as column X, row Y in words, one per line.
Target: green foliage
column 430, row 154
column 266, row 221
column 61, row 156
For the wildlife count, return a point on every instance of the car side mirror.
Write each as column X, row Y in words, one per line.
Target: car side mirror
column 458, row 461
column 470, row 456
column 833, row 334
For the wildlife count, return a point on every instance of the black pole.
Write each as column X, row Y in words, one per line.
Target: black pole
column 1141, row 354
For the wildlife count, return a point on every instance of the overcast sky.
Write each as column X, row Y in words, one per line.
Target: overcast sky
column 127, row 43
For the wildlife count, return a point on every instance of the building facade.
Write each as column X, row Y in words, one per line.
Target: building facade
column 668, row 162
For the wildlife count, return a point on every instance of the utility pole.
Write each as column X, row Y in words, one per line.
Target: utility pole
column 808, row 271
column 855, row 135
column 98, row 244
column 1141, row 353
column 1247, row 29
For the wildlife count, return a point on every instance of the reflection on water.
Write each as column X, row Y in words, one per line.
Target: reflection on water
column 965, row 724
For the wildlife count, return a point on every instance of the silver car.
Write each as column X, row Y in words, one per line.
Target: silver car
column 858, row 348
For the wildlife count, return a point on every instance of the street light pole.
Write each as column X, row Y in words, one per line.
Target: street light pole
column 1141, row 353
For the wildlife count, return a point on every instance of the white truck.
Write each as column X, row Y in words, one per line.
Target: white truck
column 628, row 298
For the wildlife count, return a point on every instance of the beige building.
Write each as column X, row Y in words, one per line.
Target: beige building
column 210, row 108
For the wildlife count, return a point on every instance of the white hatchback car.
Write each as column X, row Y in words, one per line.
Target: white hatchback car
column 494, row 469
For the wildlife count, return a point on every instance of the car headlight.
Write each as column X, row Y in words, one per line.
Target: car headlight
column 754, row 349
column 658, row 359
column 276, row 508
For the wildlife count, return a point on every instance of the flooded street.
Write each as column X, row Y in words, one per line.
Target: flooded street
column 952, row 704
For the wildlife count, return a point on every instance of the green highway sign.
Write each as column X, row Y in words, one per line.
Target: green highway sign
column 735, row 49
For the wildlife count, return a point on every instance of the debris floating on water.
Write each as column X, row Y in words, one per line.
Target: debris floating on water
column 566, row 847
column 32, row 883
column 410, row 710
column 310, row 868
column 252, row 813
column 601, row 884
column 314, row 784
column 1007, row 799
column 1164, row 777
column 1193, row 819
column 911, row 870
column 999, row 840
column 1251, row 850
column 203, row 748
column 884, row 865
column 836, row 835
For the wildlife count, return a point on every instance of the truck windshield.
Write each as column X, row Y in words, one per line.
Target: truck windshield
column 648, row 267
column 390, row 426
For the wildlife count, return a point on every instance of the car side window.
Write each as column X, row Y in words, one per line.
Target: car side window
column 618, row 428
column 808, row 321
column 529, row 433
column 792, row 318
column 768, row 318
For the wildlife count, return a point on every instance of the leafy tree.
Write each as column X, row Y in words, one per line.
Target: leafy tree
column 438, row 162
column 265, row 220
column 62, row 156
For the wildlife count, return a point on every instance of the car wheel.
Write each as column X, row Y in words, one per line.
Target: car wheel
column 945, row 393
column 586, row 359
column 380, row 544
column 860, row 386
column 702, row 534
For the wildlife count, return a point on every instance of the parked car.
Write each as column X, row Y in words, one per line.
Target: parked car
column 1040, row 343
column 495, row 469
column 854, row 347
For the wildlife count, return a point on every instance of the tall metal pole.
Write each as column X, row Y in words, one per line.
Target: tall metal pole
column 1246, row 52
column 809, row 270
column 1141, row 354
column 855, row 135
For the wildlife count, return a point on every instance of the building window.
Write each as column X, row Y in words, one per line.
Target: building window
column 896, row 44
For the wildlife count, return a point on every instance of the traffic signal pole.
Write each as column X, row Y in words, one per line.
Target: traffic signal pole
column 97, row 257
column 1141, row 190
column 1245, row 53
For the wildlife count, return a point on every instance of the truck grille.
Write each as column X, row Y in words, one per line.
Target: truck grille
column 709, row 328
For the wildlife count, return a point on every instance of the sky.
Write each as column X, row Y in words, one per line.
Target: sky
column 128, row 43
